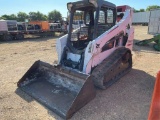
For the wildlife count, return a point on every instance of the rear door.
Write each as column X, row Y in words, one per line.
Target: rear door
column 154, row 22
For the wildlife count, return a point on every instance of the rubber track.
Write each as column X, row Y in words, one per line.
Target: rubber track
column 111, row 69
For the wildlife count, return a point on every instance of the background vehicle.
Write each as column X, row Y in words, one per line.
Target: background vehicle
column 11, row 29
column 141, row 18
column 58, row 27
column 77, row 23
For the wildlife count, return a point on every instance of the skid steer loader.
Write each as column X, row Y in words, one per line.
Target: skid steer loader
column 95, row 54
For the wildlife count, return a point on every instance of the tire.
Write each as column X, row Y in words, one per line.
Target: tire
column 19, row 36
column 7, row 37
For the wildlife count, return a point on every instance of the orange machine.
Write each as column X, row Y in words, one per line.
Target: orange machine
column 154, row 113
column 43, row 24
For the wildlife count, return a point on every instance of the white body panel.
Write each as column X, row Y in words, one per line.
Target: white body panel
column 154, row 22
column 73, row 57
column 60, row 44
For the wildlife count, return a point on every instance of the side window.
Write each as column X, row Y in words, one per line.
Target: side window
column 101, row 17
column 78, row 15
column 87, row 18
column 117, row 42
column 108, row 45
column 109, row 16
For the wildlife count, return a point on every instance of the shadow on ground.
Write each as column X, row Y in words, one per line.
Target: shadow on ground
column 127, row 99
column 24, row 95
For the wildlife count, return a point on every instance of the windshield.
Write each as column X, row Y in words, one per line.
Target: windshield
column 88, row 24
column 78, row 19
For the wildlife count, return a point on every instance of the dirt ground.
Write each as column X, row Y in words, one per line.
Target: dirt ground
column 127, row 99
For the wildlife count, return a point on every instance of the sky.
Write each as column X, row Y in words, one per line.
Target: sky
column 45, row 6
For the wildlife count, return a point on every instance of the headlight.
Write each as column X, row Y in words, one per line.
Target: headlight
column 69, row 6
column 94, row 2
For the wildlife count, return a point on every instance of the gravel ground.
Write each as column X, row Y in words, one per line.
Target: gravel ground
column 127, row 99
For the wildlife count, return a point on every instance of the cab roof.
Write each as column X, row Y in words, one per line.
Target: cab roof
column 86, row 3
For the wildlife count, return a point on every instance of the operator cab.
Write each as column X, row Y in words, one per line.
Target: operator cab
column 98, row 16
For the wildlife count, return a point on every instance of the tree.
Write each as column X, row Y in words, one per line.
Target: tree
column 5, row 17
column 134, row 10
column 13, row 17
column 2, row 18
column 32, row 15
column 142, row 10
column 41, row 16
column 22, row 16
column 54, row 16
column 9, row 17
column 37, row 16
column 152, row 7
column 45, row 17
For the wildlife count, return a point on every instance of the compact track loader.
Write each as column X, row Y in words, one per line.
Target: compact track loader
column 98, row 53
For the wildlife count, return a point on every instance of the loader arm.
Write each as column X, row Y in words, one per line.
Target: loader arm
column 122, row 31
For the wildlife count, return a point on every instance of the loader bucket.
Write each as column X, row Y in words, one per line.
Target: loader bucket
column 63, row 90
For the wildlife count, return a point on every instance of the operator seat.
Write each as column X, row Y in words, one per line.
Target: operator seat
column 119, row 17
